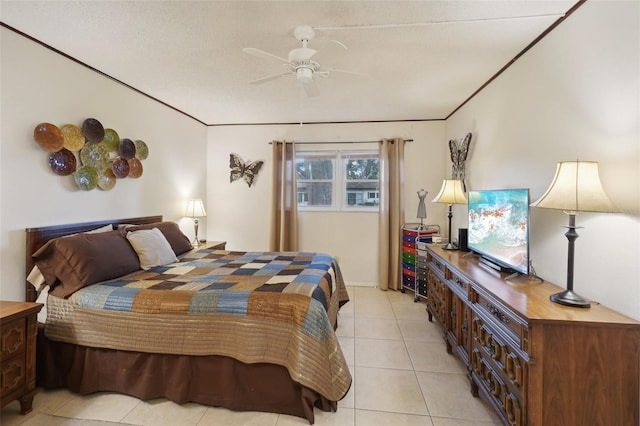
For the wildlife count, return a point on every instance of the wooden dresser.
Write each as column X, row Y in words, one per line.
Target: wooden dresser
column 537, row 363
column 18, row 333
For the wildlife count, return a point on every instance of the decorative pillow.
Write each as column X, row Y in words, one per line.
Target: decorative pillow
column 36, row 279
column 177, row 240
column 70, row 263
column 152, row 247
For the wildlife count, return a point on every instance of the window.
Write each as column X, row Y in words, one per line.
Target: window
column 338, row 180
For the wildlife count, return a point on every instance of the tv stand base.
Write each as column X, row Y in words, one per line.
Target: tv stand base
column 494, row 265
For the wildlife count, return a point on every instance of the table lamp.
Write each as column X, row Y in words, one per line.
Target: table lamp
column 195, row 210
column 451, row 193
column 575, row 188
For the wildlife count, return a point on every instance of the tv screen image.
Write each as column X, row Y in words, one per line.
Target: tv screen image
column 498, row 227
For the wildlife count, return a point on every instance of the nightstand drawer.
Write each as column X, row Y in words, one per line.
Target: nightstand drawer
column 12, row 338
column 12, row 376
column 18, row 335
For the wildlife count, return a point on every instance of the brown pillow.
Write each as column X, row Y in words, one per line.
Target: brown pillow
column 177, row 240
column 70, row 263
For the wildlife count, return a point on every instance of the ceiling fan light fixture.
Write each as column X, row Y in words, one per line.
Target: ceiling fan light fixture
column 304, row 74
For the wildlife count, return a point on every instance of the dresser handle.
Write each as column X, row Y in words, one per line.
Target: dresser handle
column 514, row 369
column 512, row 408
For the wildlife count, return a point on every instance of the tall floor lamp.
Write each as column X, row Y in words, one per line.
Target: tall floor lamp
column 575, row 188
column 451, row 193
column 195, row 210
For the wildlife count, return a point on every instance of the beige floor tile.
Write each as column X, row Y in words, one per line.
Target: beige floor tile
column 446, row 421
column 342, row 417
column 370, row 294
column 377, row 328
column 410, row 311
column 10, row 415
column 380, row 418
column 349, row 400
column 105, row 406
column 221, row 416
column 433, row 356
column 389, row 390
column 162, row 412
column 350, row 292
column 347, row 308
column 44, row 402
column 420, row 330
column 49, row 401
column 366, row 309
column 347, row 344
column 42, row 419
column 397, row 296
column 448, row 395
column 345, row 326
column 382, row 354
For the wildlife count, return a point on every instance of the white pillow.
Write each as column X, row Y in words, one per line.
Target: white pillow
column 36, row 279
column 152, row 248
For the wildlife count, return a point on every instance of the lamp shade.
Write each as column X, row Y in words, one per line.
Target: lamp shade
column 576, row 187
column 451, row 192
column 195, row 208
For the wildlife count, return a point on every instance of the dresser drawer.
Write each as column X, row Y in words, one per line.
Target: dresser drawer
column 509, row 324
column 12, row 376
column 13, row 338
column 507, row 361
column 439, row 266
column 508, row 403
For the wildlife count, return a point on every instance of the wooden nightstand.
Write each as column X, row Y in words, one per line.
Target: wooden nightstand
column 213, row 245
column 18, row 333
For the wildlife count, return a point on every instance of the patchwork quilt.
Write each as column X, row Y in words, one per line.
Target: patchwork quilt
column 270, row 307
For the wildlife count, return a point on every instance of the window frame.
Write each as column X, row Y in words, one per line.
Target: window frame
column 339, row 182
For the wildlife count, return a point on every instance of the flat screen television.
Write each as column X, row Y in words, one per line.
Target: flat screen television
column 499, row 228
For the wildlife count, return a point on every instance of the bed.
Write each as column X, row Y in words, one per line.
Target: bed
column 248, row 331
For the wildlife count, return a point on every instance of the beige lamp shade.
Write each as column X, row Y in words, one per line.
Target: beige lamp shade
column 576, row 187
column 451, row 192
column 195, row 208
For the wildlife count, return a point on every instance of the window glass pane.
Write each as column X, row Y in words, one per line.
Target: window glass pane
column 363, row 194
column 315, row 194
column 362, row 168
column 307, row 168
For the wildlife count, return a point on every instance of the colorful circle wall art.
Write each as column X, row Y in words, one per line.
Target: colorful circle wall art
column 96, row 157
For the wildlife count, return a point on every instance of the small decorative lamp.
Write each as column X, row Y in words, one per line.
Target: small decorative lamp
column 575, row 188
column 195, row 209
column 451, row 193
column 422, row 209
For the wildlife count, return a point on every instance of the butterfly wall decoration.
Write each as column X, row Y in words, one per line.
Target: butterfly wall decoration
column 246, row 170
column 459, row 152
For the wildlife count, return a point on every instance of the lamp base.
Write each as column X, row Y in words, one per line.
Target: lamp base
column 569, row 298
column 449, row 246
column 196, row 242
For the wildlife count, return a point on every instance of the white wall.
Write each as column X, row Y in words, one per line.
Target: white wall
column 240, row 215
column 38, row 85
column 575, row 95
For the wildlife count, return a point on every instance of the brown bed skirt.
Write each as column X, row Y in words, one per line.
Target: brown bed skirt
column 217, row 381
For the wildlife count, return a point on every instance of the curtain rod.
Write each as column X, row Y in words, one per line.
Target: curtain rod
column 338, row 142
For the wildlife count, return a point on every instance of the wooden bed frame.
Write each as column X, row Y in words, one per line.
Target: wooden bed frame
column 211, row 380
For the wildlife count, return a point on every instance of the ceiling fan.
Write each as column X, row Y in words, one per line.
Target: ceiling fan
column 299, row 62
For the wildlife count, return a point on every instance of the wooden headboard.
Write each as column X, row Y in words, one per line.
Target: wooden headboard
column 37, row 237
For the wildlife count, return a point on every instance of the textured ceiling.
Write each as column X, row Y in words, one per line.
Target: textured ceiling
column 423, row 58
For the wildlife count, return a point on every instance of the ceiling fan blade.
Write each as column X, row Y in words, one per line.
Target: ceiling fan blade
column 339, row 43
column 347, row 72
column 270, row 78
column 311, row 89
column 262, row 54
